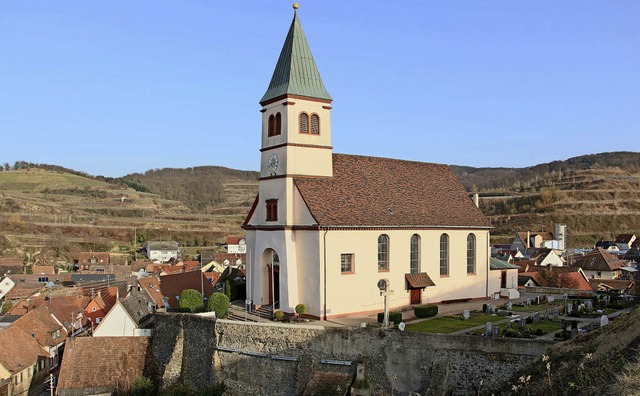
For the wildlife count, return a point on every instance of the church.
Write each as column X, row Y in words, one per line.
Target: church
column 325, row 228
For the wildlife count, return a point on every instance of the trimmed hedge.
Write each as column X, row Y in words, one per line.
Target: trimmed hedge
column 425, row 311
column 395, row 317
column 219, row 303
column 301, row 309
column 278, row 315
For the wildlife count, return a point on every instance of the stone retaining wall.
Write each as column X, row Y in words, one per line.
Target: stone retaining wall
column 277, row 359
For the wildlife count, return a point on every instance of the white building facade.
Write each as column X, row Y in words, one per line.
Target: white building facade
column 325, row 228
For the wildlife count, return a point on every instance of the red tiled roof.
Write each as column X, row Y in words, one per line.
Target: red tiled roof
column 624, row 238
column 29, row 303
column 19, row 349
column 419, row 281
column 615, row 284
column 232, row 257
column 42, row 325
column 11, row 261
column 44, row 269
column 151, row 285
column 234, row 240
column 116, row 362
column 599, row 260
column 371, row 191
column 174, row 284
column 101, row 257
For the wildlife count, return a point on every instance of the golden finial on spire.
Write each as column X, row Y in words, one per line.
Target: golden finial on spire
column 295, row 6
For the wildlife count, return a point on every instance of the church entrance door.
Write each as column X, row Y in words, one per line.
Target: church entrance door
column 416, row 296
column 274, row 285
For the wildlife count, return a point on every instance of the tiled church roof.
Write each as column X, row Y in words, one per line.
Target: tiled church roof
column 382, row 192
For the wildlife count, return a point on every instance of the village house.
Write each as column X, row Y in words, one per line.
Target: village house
column 523, row 241
column 599, row 263
column 162, row 251
column 130, row 316
column 93, row 261
column 23, row 362
column 6, row 284
column 503, row 278
column 104, row 365
column 236, row 245
column 326, row 228
column 544, row 257
column 46, row 330
column 11, row 265
column 625, row 241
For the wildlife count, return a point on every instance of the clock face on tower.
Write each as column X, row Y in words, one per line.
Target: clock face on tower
column 273, row 163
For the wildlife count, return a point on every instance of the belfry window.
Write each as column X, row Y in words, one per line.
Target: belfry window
column 309, row 124
column 272, row 210
column 304, row 123
column 315, row 124
column 274, row 125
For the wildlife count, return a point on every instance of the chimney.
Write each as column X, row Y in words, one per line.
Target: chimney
column 476, row 199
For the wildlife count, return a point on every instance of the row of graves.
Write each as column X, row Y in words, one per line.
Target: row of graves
column 564, row 316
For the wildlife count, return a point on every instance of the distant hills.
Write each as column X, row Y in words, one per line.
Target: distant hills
column 596, row 195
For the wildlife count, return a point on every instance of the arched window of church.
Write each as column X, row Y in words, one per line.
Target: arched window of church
column 414, row 266
column 278, row 124
column 271, row 126
column 383, row 253
column 315, row 124
column 444, row 255
column 304, row 123
column 471, row 254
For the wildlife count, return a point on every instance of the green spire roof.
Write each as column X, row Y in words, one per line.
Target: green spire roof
column 296, row 72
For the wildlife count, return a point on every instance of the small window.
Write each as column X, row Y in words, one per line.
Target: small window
column 383, row 253
column 272, row 210
column 471, row 254
column 271, row 126
column 315, row 124
column 278, row 130
column 93, row 309
column 304, row 123
column 444, row 255
column 347, row 264
column 98, row 320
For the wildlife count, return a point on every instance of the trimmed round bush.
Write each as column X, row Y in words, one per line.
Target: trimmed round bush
column 395, row 317
column 219, row 303
column 425, row 311
column 190, row 299
column 301, row 309
column 278, row 315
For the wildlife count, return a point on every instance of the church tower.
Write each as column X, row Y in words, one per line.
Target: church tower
column 296, row 128
column 296, row 143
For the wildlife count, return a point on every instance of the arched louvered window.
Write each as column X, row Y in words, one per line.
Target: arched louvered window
column 471, row 254
column 414, row 265
column 444, row 255
column 271, row 126
column 315, row 124
column 383, row 253
column 278, row 129
column 304, row 123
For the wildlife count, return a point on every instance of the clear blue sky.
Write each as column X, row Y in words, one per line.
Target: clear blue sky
column 115, row 87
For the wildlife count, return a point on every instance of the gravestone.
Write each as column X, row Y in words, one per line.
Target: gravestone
column 569, row 309
column 536, row 317
column 496, row 331
column 604, row 320
column 588, row 305
column 485, row 308
column 551, row 299
column 522, row 323
column 491, row 309
column 465, row 314
column 546, row 314
column 574, row 325
column 528, row 301
column 488, row 330
column 564, row 325
column 556, row 314
column 509, row 305
column 537, row 300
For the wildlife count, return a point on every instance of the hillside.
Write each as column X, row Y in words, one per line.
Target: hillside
column 603, row 362
column 200, row 188
column 597, row 196
column 55, row 213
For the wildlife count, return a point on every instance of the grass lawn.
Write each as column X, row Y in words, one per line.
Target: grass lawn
column 449, row 325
